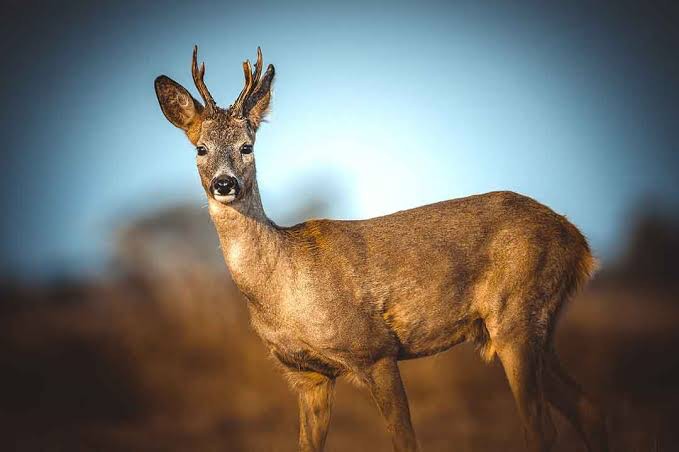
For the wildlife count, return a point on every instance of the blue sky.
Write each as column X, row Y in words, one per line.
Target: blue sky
column 377, row 107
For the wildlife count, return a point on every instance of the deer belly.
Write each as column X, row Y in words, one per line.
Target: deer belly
column 300, row 359
column 324, row 342
column 425, row 330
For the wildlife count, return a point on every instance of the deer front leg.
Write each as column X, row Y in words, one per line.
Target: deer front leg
column 315, row 393
column 386, row 387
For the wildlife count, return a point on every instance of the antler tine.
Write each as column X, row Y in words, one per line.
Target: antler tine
column 199, row 81
column 258, row 67
column 247, row 89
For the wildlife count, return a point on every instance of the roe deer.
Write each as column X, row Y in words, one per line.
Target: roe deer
column 332, row 298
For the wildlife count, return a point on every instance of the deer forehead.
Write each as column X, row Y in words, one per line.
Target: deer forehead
column 225, row 130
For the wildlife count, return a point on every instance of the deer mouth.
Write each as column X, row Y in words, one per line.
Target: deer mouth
column 224, row 199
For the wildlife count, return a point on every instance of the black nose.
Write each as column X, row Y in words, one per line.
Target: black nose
column 225, row 185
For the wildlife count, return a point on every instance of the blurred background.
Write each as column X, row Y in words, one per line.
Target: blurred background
column 120, row 328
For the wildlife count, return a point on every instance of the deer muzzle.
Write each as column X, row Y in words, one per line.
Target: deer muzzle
column 225, row 189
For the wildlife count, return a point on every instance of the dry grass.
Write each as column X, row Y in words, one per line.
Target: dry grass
column 172, row 365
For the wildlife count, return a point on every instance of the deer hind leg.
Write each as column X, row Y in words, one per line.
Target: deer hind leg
column 565, row 395
column 523, row 367
column 315, row 393
column 384, row 381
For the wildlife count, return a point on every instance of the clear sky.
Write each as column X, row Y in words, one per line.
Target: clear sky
column 377, row 107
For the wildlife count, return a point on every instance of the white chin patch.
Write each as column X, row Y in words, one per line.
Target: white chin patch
column 224, row 199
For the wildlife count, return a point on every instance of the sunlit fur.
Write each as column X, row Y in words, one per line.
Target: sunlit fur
column 351, row 298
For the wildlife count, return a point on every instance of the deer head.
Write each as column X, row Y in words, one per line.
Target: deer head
column 224, row 139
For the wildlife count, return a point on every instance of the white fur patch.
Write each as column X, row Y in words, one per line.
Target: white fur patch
column 235, row 252
column 224, row 199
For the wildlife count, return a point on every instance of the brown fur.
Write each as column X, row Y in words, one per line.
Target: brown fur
column 332, row 298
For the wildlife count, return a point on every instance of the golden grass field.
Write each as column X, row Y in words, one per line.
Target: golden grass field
column 160, row 357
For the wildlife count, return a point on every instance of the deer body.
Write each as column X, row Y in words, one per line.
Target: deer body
column 410, row 284
column 333, row 298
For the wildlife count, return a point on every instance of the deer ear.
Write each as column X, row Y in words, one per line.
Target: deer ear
column 178, row 106
column 257, row 104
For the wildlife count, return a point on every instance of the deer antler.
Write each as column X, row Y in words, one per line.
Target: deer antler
column 200, row 83
column 252, row 82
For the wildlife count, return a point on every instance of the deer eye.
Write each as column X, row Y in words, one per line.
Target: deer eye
column 201, row 150
column 246, row 149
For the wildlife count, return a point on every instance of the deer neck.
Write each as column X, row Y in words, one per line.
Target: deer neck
column 250, row 242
